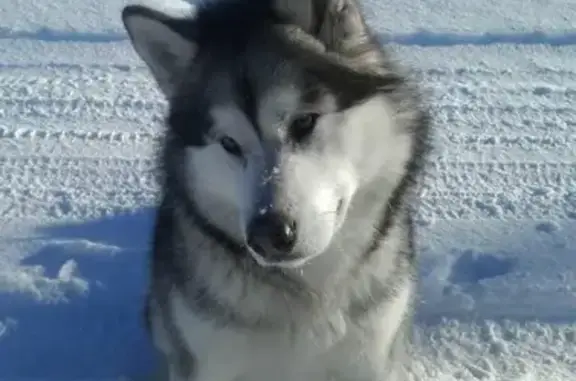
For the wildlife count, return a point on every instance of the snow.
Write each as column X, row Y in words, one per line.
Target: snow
column 79, row 116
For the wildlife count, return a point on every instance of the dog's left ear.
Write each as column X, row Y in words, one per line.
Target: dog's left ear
column 338, row 24
column 163, row 42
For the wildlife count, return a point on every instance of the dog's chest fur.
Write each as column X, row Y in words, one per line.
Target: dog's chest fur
column 293, row 343
column 274, row 335
column 344, row 352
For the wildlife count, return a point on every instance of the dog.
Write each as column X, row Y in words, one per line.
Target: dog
column 283, row 245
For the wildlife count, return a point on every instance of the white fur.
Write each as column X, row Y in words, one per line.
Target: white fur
column 322, row 348
column 314, row 180
column 218, row 197
column 222, row 186
column 310, row 187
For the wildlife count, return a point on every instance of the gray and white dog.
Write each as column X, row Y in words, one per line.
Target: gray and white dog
column 283, row 247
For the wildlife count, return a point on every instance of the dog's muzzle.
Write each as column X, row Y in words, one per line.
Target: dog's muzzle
column 272, row 235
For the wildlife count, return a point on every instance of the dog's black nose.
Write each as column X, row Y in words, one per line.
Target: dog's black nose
column 272, row 234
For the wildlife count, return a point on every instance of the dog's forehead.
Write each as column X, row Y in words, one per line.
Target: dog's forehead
column 258, row 82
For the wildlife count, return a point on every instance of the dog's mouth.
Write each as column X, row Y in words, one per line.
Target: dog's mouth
column 278, row 260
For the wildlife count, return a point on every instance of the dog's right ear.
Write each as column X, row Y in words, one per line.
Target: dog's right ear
column 163, row 42
column 339, row 24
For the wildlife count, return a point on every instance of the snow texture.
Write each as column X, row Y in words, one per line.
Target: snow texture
column 79, row 115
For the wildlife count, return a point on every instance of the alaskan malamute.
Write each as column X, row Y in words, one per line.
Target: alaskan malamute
column 283, row 247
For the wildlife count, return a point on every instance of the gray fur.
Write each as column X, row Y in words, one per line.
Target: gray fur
column 338, row 305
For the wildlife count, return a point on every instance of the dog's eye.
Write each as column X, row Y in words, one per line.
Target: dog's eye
column 231, row 146
column 302, row 126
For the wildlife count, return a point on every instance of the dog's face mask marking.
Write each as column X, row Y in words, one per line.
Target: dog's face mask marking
column 277, row 180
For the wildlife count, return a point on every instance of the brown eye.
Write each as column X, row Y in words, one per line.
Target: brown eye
column 231, row 146
column 302, row 126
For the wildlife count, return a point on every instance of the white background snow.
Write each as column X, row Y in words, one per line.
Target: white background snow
column 79, row 116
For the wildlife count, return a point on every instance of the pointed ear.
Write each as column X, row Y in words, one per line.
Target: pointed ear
column 163, row 42
column 338, row 24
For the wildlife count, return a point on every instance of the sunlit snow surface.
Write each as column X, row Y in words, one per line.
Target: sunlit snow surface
column 79, row 115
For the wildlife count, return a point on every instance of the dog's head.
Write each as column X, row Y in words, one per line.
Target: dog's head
column 276, row 118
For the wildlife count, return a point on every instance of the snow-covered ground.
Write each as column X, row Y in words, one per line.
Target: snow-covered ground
column 78, row 118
